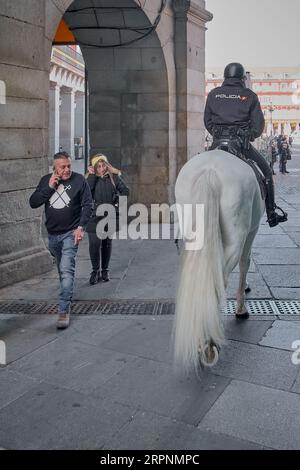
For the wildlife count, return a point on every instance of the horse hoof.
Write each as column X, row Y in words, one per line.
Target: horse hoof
column 247, row 289
column 210, row 355
column 242, row 316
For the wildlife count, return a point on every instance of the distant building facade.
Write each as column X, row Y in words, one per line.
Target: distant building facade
column 278, row 90
column 66, row 101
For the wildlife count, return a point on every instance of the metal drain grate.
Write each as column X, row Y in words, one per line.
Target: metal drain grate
column 12, row 307
column 287, row 307
column 166, row 308
column 85, row 308
column 136, row 308
column 258, row 308
column 255, row 307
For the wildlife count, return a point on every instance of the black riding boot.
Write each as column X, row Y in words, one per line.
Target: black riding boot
column 273, row 218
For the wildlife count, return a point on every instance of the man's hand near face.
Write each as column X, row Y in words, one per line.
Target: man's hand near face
column 53, row 182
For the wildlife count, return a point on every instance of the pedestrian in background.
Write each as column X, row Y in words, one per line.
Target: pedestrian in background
column 274, row 155
column 265, row 149
column 68, row 206
column 106, row 185
column 279, row 140
column 285, row 155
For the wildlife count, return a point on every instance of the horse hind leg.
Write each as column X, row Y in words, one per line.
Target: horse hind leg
column 244, row 267
column 243, row 286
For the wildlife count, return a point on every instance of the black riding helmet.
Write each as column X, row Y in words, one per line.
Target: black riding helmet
column 234, row 70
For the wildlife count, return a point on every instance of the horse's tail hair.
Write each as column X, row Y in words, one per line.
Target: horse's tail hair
column 201, row 290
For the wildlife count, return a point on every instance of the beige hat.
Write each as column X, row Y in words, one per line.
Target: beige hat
column 98, row 158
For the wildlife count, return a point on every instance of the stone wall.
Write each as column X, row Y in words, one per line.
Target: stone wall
column 24, row 67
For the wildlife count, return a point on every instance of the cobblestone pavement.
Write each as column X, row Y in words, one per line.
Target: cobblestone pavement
column 108, row 382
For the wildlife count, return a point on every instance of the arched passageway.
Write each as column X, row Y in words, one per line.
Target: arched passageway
column 146, row 107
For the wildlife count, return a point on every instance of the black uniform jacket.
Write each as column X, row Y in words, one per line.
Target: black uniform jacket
column 234, row 104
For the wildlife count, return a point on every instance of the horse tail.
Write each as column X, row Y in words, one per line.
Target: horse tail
column 201, row 290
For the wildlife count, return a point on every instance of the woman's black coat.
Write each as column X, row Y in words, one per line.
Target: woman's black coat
column 104, row 192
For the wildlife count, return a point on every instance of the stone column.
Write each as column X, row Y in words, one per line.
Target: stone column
column 24, row 68
column 190, row 19
column 67, row 120
column 54, row 105
column 79, row 115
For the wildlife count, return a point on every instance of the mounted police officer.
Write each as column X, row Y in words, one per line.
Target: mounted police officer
column 233, row 113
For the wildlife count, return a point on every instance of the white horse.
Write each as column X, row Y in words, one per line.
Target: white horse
column 233, row 207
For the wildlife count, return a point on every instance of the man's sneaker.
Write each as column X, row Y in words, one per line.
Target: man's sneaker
column 105, row 275
column 95, row 277
column 63, row 320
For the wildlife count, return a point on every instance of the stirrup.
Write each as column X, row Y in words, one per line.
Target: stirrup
column 275, row 218
column 284, row 214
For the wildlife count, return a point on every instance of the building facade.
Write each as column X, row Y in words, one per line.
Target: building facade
column 278, row 90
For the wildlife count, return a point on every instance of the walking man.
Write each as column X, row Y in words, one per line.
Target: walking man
column 68, row 207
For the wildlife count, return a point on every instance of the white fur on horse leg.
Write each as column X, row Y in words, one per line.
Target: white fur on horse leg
column 210, row 355
column 240, row 304
column 241, row 309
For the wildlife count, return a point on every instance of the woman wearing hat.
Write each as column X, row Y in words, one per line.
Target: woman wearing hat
column 106, row 184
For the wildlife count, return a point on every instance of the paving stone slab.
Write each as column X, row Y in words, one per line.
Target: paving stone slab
column 118, row 269
column 40, row 322
column 295, row 236
column 144, row 288
column 288, row 256
column 292, row 220
column 275, row 241
column 267, row 230
column 256, row 364
column 13, row 385
column 296, row 386
column 21, row 340
column 282, row 335
column 153, row 386
column 32, row 289
column 49, row 417
column 102, row 290
column 281, row 276
column 259, row 288
column 155, row 432
column 256, row 413
column 247, row 332
column 292, row 228
column 152, row 339
column 286, row 293
column 98, row 330
column 72, row 364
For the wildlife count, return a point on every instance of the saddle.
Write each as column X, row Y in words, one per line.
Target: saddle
column 235, row 146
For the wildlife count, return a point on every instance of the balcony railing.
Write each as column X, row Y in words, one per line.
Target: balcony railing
column 67, row 55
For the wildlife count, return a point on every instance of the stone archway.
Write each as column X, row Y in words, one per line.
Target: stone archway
column 27, row 32
column 128, row 99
